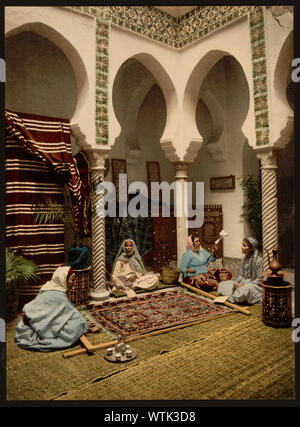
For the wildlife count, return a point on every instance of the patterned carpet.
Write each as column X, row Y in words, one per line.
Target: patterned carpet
column 155, row 311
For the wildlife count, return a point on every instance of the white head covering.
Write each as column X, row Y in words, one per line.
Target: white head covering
column 58, row 281
column 134, row 258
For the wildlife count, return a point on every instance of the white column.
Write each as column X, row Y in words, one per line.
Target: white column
column 268, row 160
column 181, row 221
column 99, row 291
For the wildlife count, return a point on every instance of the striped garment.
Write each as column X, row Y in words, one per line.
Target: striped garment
column 39, row 161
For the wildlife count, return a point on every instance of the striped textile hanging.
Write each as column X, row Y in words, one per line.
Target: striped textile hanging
column 38, row 161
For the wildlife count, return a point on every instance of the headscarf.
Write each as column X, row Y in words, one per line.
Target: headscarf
column 134, row 258
column 58, row 281
column 253, row 243
column 190, row 244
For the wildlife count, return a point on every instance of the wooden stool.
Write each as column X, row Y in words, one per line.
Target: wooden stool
column 276, row 305
column 80, row 292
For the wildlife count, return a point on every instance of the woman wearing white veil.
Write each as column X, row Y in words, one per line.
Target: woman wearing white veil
column 129, row 273
column 50, row 321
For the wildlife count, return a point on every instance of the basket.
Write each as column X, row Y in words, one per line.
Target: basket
column 80, row 292
column 169, row 274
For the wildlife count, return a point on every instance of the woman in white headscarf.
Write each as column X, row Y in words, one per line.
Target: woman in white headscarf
column 247, row 287
column 129, row 273
column 51, row 321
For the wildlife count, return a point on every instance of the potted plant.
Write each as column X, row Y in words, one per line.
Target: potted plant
column 48, row 210
column 252, row 208
column 19, row 271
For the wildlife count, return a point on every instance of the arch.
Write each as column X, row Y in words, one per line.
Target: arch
column 216, row 112
column 282, row 73
column 283, row 126
column 135, row 81
column 75, row 60
column 192, row 94
column 156, row 74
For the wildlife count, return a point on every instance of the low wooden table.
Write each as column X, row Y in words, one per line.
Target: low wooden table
column 277, row 305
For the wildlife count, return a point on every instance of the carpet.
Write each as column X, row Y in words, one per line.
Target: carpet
column 151, row 312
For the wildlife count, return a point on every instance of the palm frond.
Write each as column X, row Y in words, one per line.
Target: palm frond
column 48, row 211
column 19, row 269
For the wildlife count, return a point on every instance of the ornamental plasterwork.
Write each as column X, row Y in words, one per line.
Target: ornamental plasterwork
column 97, row 158
column 268, row 159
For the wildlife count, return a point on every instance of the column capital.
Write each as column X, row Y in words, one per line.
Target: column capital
column 181, row 169
column 268, row 158
column 97, row 158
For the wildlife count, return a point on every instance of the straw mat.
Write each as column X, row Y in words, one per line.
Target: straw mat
column 232, row 364
column 226, row 358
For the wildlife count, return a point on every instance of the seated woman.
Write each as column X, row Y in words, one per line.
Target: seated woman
column 129, row 273
column 51, row 321
column 194, row 269
column 246, row 288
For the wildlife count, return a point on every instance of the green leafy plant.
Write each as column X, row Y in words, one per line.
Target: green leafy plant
column 19, row 270
column 49, row 211
column 252, row 208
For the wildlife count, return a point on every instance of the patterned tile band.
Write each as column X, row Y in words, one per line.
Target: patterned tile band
column 259, row 73
column 177, row 33
column 102, row 43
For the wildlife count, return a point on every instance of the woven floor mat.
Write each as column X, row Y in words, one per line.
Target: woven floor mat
column 245, row 361
column 48, row 376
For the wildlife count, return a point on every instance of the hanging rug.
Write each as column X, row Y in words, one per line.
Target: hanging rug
column 143, row 314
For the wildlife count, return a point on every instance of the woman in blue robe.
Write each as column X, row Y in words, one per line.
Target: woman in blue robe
column 51, row 321
column 194, row 266
column 247, row 286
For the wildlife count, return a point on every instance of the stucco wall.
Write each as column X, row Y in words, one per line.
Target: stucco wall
column 33, row 65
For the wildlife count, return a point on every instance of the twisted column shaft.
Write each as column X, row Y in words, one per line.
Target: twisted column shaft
column 269, row 201
column 97, row 167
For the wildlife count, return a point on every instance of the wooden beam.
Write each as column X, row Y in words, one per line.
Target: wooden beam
column 87, row 344
column 206, row 294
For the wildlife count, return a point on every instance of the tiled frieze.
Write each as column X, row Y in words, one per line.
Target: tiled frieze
column 259, row 74
column 102, row 45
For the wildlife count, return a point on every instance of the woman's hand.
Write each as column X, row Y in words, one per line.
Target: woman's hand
column 237, row 285
column 132, row 277
column 190, row 270
column 214, row 251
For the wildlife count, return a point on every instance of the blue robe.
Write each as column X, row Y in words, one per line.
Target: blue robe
column 196, row 261
column 55, row 323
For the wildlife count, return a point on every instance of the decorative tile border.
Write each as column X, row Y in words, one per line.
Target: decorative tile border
column 259, row 73
column 204, row 20
column 157, row 25
column 102, row 44
column 146, row 21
